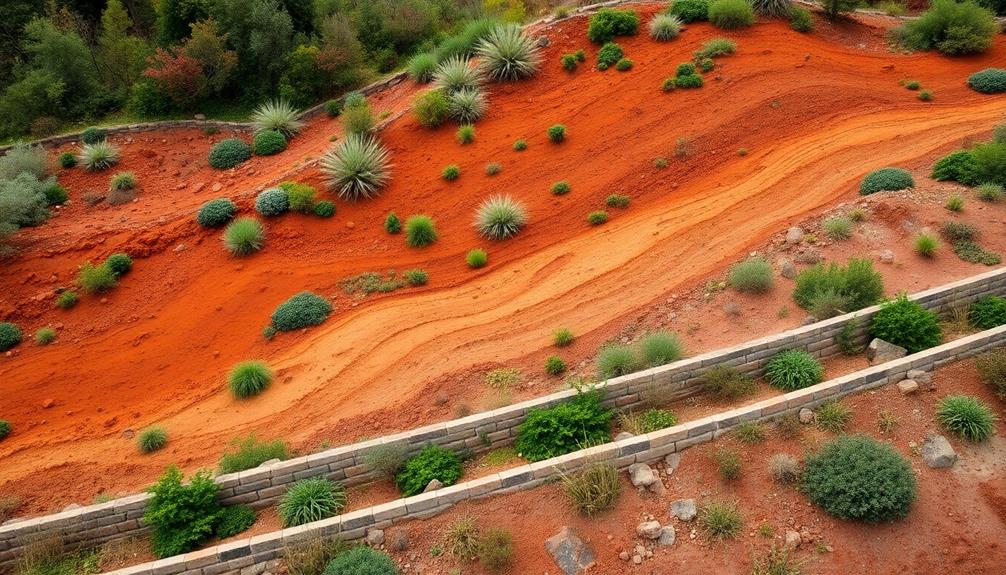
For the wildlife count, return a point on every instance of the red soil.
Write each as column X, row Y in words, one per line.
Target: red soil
column 815, row 112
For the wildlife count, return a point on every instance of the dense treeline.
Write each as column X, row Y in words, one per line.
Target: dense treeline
column 65, row 62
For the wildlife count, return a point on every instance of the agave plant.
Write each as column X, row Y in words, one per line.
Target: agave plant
column 277, row 115
column 98, row 156
column 508, row 54
column 457, row 73
column 665, row 27
column 500, row 217
column 358, row 167
column 467, row 105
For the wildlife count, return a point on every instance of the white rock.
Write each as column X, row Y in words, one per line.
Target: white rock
column 794, row 235
column 684, row 509
column 792, row 539
column 623, row 435
column 648, row 529
column 908, row 386
column 937, row 452
column 375, row 537
column 641, row 475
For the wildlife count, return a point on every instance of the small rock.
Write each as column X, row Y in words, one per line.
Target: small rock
column 270, row 462
column 684, row 509
column 908, row 386
column 542, row 41
column 787, row 269
column 569, row 552
column 128, row 434
column 637, row 559
column 792, row 539
column 809, row 320
column 623, row 555
column 806, row 416
column 641, row 475
column 180, row 248
column 809, row 256
column 732, row 308
column 217, row 186
column 433, row 486
column 887, row 257
column 666, row 537
column 657, row 487
column 623, row 435
column 375, row 537
column 48, row 403
column 880, row 351
column 794, row 235
column 399, row 540
column 672, row 460
column 72, row 506
column 923, row 378
column 937, row 452
column 648, row 529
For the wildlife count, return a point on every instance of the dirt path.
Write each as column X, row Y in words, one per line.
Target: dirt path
column 814, row 115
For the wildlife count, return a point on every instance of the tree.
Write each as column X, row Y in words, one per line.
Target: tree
column 174, row 17
column 179, row 76
column 835, row 7
column 261, row 33
column 123, row 57
column 208, row 46
column 14, row 15
column 341, row 53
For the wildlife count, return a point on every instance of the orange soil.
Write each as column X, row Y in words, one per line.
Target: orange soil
column 814, row 113
column 955, row 524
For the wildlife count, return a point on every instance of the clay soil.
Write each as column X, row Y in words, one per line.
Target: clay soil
column 814, row 112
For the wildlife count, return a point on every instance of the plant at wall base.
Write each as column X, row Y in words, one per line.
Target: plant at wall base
column 966, row 417
column 181, row 516
column 234, row 519
column 857, row 284
column 614, row 360
column 608, row 23
column 249, row 452
column 904, row 322
column 660, row 348
column 832, row 416
column 98, row 156
column 433, row 462
column 362, row 560
column 574, row 424
column 727, row 384
column 386, row 460
column 277, row 116
column 593, row 489
column 991, row 367
column 988, row 312
column 422, row 66
column 310, row 500
column 750, row 432
column 793, row 369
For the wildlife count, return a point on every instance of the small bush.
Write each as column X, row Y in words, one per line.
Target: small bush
column 562, row 337
column 299, row 197
column 720, row 520
column 244, row 236
column 431, row 109
column 959, row 231
column 593, row 489
column 93, row 135
column 500, row 217
column 560, row 188
column 554, row 365
column 857, row 477
column 10, row 336
column 801, row 20
column 520, row 145
column 302, row 310
column 249, row 452
column 96, row 279
column 656, row 419
column 726, row 383
column 465, row 134
column 557, row 133
column 234, row 519
column 392, row 224
column 664, row 27
column 991, row 193
column 750, row 432
column 926, row 244
column 728, row 463
column 420, row 231
column 357, row 120
column 451, row 173
column 386, row 460
column 268, row 143
column 229, row 153
column 597, row 218
column 957, row 166
column 688, row 82
column 971, row 252
column 990, row 162
column 564, row 428
column 55, row 195
column 609, row 55
column 152, row 439
column 607, row 23
column 623, row 65
column 277, row 116
column 793, row 369
column 731, row 14
column 216, row 213
column 333, row 108
column 904, row 322
column 416, row 277
column 988, row 81
column 496, row 549
column 614, row 360
column 857, row 284
column 67, row 160
column 5, row 429
column 966, row 417
column 433, row 462
column 249, row 378
column 954, row 203
column 892, row 179
column 690, row 10
column 45, row 335
column 422, row 66
column 493, row 168
column 67, row 299
column 837, row 228
column 952, row 28
column 988, row 312
column 476, row 258
column 569, row 62
column 462, row 538
column 660, row 348
column 181, row 516
column 507, row 54
column 467, row 105
column 310, row 500
column 991, row 367
column 925, row 95
column 617, row 201
column 784, row 468
column 753, row 275
column 833, row 416
column 715, row 48
column 98, row 156
column 358, row 168
column 362, row 560
column 503, row 378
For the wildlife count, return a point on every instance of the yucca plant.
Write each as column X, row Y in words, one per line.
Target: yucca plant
column 358, row 167
column 456, row 73
column 500, row 217
column 508, row 54
column 664, row 27
column 773, row 8
column 98, row 156
column 467, row 105
column 277, row 115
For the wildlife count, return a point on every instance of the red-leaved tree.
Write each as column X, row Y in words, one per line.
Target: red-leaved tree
column 180, row 76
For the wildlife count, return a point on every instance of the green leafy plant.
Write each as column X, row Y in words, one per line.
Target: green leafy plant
column 801, row 20
column 959, row 166
column 67, row 160
column 466, row 134
column 422, row 66
column 564, row 428
column 991, row 193
column 614, row 360
column 726, row 383
column 300, row 197
column 988, row 81
column 991, row 367
column 952, row 28
column 181, row 516
column 55, row 195
column 456, row 73
column 496, row 550
column 416, row 277
column 392, row 224
column 98, row 156
column 728, row 463
column 301, row 310
column 431, row 108
column 234, row 519
column 45, row 335
column 690, row 10
column 216, row 213
column 750, row 432
column 793, row 369
column 609, row 55
column 720, row 520
column 837, row 228
column 432, row 462
column 249, row 378
column 623, row 65
column 249, row 452
column 988, row 312
column 560, row 188
column 617, row 201
column 966, row 417
column 608, row 23
column 954, row 203
column 268, row 143
column 500, row 217
column 688, row 82
column 357, row 120
column 562, row 337
column 386, row 460
column 655, row 419
column 520, row 145
column 152, row 439
column 310, row 500
column 926, row 245
column 420, row 231
column 229, row 153
column 93, row 135
column 122, row 181
column 925, row 95
column 593, row 489
column 660, row 348
column 554, row 365
column 507, row 54
column 362, row 560
column 753, row 275
column 358, row 168
column 597, row 217
column 857, row 477
column 272, row 202
column 5, row 429
column 451, row 173
column 731, row 14
column 664, row 27
column 557, row 133
column 833, row 416
column 96, row 279
column 886, row 179
column 67, row 299
column 476, row 258
column 467, row 105
column 333, row 108
column 857, row 285
column 277, row 116
column 904, row 322
column 715, row 48
column 244, row 236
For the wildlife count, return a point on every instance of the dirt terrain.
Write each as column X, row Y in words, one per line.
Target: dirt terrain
column 814, row 112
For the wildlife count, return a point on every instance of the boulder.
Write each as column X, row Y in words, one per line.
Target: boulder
column 375, row 537
column 569, row 552
column 433, row 486
column 648, row 529
column 666, row 537
column 908, row 386
column 880, row 351
column 937, row 452
column 684, row 509
column 787, row 269
column 399, row 540
column 793, row 539
column 806, row 416
column 794, row 235
column 641, row 475
column 923, row 378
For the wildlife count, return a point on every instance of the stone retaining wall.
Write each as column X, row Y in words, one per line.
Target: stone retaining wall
column 253, row 556
column 262, row 487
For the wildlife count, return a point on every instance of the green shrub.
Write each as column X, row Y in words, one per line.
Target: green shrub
column 952, row 28
column 954, row 203
column 98, row 156
column 957, row 166
column 685, row 69
column 726, row 383
column 503, row 378
column 93, row 135
column 300, row 197
column 278, row 116
column 302, row 310
column 362, row 560
column 244, row 236
column 574, row 424
column 728, row 463
column 333, row 108
column 55, row 195
column 609, row 55
column 433, row 462
column 520, row 145
column 358, row 168
column 45, row 335
column 416, row 278
column 67, row 299
column 614, row 360
column 476, row 258
column 837, row 228
column 801, row 20
column 386, row 460
column 904, row 322
column 958, row 231
column 493, row 168
column 720, row 520
column 988, row 312
column 833, row 416
column 593, row 489
column 422, row 66
column 456, row 73
column 392, row 224
column 617, row 201
column 990, row 162
column 496, row 550
column 925, row 245
column 664, row 27
column 560, row 188
column 607, row 23
column 249, row 378
column 563, row 337
column 856, row 477
column 569, row 62
column 554, row 365
column 10, row 335
column 467, row 105
column 120, row 264
column 507, row 54
column 500, row 217
column 966, row 417
column 181, row 516
column 655, row 420
column 268, row 143
column 753, row 275
column 431, row 108
column 229, row 153
column 886, row 179
column 96, row 279
column 152, row 439
column 660, row 348
column 465, row 134
column 991, row 367
column 234, row 519
column 420, row 231
column 249, row 452
column 925, row 95
column 750, row 432
column 67, row 160
column 731, row 14
column 857, row 284
column 623, row 65
column 597, row 217
column 715, row 48
column 5, row 429
column 357, row 120
column 991, row 193
column 310, row 500
column 793, row 369
column 451, row 173
column 216, row 213
column 690, row 10
column 988, row 81
column 969, row 251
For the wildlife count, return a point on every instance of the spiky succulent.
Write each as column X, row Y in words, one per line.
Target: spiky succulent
column 508, row 54
column 277, row 115
column 456, row 73
column 665, row 27
column 500, row 217
column 358, row 168
column 98, row 156
column 467, row 105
